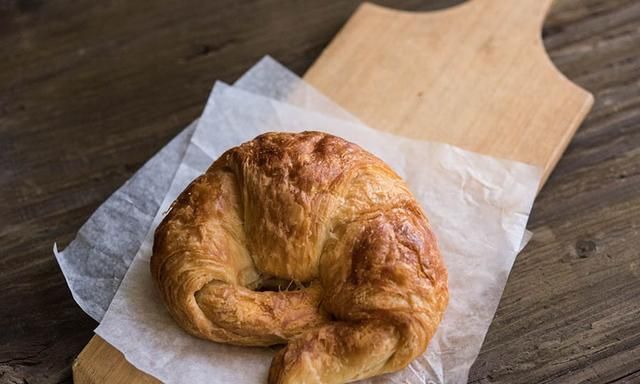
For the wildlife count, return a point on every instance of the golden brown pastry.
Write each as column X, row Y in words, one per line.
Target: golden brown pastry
column 313, row 212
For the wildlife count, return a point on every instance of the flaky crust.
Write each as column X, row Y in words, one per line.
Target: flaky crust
column 318, row 213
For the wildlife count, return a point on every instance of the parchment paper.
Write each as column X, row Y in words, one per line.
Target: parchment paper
column 478, row 207
column 95, row 262
column 97, row 259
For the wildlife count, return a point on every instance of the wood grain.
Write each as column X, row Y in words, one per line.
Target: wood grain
column 89, row 90
column 476, row 76
column 435, row 76
column 115, row 369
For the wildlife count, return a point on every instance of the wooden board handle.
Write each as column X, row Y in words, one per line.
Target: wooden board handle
column 529, row 14
column 475, row 75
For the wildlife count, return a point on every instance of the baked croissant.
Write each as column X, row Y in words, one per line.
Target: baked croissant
column 317, row 213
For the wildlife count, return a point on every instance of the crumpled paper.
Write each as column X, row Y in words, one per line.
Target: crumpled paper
column 478, row 207
column 95, row 262
column 97, row 259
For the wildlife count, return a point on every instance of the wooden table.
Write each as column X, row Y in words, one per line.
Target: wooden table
column 90, row 90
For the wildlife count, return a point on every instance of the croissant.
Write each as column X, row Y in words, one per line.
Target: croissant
column 308, row 240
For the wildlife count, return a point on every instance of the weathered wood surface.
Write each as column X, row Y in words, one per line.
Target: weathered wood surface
column 88, row 91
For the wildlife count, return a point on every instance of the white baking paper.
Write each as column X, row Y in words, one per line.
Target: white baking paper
column 95, row 262
column 97, row 259
column 478, row 207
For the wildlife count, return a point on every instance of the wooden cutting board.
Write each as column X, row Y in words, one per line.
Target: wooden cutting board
column 475, row 75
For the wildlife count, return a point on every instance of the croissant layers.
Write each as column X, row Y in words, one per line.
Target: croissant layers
column 316, row 213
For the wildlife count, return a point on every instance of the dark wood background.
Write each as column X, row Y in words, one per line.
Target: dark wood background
column 90, row 89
